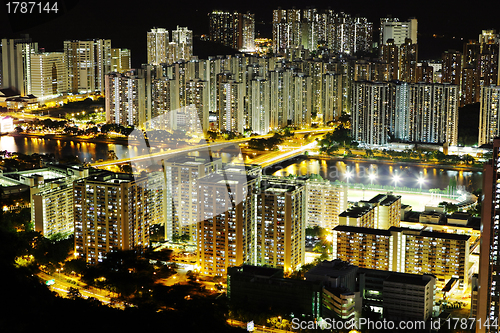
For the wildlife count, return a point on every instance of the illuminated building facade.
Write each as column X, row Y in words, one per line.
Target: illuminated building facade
column 399, row 31
column 480, row 66
column 313, row 30
column 408, row 57
column 260, row 106
column 280, row 225
column 120, row 60
column 51, row 197
column 112, row 212
column 433, row 113
column 389, row 53
column 49, row 75
column 489, row 122
column 125, row 99
column 16, row 63
column 416, row 112
column 226, row 215
column 331, row 96
column 157, row 40
column 88, row 61
column 182, row 44
column 452, row 67
column 324, row 202
column 181, row 175
column 230, row 97
column 233, row 29
column 488, row 292
column 372, row 105
column 404, row 250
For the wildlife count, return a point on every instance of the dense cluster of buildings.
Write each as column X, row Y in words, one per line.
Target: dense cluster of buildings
column 46, row 76
column 317, row 71
column 248, row 226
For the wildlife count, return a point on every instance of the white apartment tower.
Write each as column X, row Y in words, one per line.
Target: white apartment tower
column 112, row 212
column 183, row 40
column 372, row 104
column 226, row 216
column 280, row 226
column 88, row 61
column 49, row 75
column 125, row 99
column 158, row 39
column 392, row 28
column 489, row 123
column 16, row 63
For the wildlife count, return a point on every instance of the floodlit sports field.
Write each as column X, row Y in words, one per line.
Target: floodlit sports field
column 417, row 201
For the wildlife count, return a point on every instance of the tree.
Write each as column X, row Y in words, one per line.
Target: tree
column 126, row 272
column 78, row 266
column 74, row 293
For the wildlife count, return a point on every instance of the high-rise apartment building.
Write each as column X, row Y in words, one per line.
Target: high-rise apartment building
column 16, row 63
column 182, row 40
column 233, row 29
column 313, row 30
column 424, row 73
column 157, row 40
column 230, row 97
column 125, row 99
column 280, row 225
column 389, row 53
column 489, row 123
column 408, row 57
column 480, row 65
column 417, row 112
column 433, row 113
column 49, row 75
column 226, row 215
column 380, row 212
column 392, row 28
column 488, row 291
column 452, row 67
column 324, row 202
column 260, row 106
column 120, row 60
column 51, row 196
column 372, row 105
column 181, row 175
column 405, row 250
column 88, row 61
column 113, row 212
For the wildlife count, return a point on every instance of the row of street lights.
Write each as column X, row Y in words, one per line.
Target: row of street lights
column 395, row 178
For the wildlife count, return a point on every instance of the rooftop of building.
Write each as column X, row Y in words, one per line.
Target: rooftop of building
column 356, row 211
column 228, row 176
column 257, row 271
column 362, row 230
column 333, row 268
column 203, row 158
column 278, row 187
column 414, row 217
column 405, row 278
column 111, row 177
column 430, row 234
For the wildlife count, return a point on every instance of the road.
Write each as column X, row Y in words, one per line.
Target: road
column 61, row 286
column 257, row 328
column 153, row 157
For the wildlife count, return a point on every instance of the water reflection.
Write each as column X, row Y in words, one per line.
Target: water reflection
column 86, row 151
column 384, row 174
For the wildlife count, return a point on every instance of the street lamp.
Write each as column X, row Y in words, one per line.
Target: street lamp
column 396, row 178
column 421, row 180
column 348, row 175
column 372, row 177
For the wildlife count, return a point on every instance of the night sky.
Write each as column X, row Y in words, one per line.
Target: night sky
column 126, row 25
